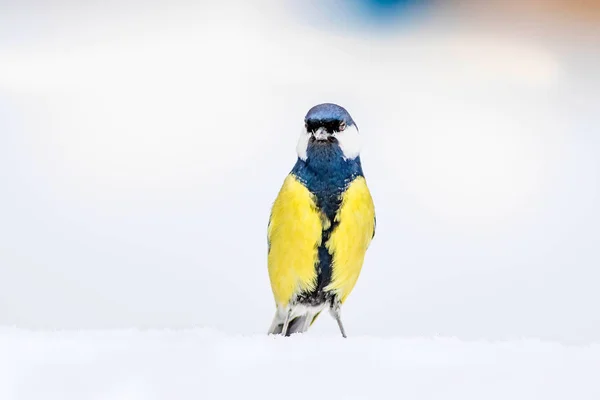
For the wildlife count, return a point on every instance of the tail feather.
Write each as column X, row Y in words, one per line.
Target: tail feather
column 298, row 323
column 276, row 325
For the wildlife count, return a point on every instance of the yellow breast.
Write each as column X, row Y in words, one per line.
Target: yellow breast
column 351, row 238
column 294, row 234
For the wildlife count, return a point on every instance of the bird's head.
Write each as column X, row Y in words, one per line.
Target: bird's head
column 329, row 132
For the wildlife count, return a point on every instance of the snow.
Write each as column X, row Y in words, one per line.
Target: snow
column 208, row 364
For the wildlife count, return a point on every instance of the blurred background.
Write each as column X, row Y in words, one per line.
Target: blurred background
column 142, row 145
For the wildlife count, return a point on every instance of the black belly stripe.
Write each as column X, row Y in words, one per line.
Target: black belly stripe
column 329, row 204
column 326, row 175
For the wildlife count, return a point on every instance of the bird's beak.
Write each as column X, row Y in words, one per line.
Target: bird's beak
column 321, row 134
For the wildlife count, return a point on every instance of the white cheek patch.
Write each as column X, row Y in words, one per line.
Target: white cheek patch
column 302, row 146
column 349, row 141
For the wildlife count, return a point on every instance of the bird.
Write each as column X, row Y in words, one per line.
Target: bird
column 321, row 223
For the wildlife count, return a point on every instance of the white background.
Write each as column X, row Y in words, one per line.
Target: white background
column 141, row 147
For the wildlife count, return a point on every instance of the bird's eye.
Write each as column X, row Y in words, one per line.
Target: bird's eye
column 342, row 126
column 305, row 125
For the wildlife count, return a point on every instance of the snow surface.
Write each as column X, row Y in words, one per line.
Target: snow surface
column 208, row 364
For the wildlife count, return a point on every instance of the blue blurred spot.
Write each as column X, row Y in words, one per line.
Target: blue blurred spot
column 386, row 11
column 384, row 7
column 363, row 16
